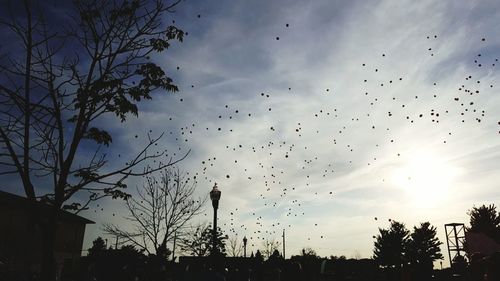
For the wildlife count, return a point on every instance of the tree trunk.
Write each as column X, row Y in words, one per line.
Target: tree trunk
column 48, row 263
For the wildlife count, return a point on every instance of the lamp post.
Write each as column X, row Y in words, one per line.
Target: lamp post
column 215, row 196
column 245, row 246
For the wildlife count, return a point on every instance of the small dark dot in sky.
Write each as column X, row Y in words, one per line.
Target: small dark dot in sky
column 383, row 55
column 227, row 176
column 484, row 39
column 199, row 16
column 192, row 86
column 178, row 68
column 277, row 38
column 287, row 25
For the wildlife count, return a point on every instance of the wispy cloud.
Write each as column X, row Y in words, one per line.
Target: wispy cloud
column 318, row 103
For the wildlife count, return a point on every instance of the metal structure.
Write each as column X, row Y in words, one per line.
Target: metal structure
column 455, row 240
column 215, row 197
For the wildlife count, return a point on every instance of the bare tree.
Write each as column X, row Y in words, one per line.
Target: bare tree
column 58, row 82
column 161, row 210
column 269, row 246
column 235, row 246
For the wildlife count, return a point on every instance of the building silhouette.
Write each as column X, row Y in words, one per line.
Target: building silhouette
column 21, row 241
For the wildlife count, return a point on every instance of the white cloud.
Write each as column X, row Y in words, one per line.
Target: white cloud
column 232, row 56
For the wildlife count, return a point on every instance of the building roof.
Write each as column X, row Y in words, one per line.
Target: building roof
column 11, row 202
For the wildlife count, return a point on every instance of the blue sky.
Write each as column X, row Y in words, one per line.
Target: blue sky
column 331, row 113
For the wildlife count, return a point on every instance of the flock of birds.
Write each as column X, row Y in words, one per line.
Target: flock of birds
column 284, row 164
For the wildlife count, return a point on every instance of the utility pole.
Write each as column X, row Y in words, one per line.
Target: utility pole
column 245, row 246
column 284, row 257
column 173, row 248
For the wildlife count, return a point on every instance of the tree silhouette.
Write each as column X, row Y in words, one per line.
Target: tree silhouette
column 125, row 263
column 423, row 248
column 58, row 85
column 486, row 220
column 235, row 246
column 390, row 245
column 310, row 252
column 258, row 257
column 98, row 247
column 161, row 210
column 199, row 242
column 269, row 247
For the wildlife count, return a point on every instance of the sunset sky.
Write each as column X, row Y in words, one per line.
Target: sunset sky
column 327, row 118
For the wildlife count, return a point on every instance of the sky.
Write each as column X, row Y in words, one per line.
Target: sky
column 328, row 118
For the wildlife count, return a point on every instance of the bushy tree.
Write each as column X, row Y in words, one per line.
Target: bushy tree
column 98, row 247
column 397, row 247
column 486, row 220
column 310, row 252
column 125, row 263
column 199, row 241
column 423, row 249
column 390, row 245
column 258, row 257
column 423, row 245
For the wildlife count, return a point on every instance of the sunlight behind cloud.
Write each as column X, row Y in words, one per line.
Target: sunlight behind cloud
column 426, row 177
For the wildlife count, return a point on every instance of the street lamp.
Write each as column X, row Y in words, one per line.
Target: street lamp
column 245, row 246
column 215, row 196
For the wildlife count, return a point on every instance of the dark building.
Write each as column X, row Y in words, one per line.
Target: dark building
column 21, row 242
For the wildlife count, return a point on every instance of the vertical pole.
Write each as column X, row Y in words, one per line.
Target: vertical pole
column 116, row 243
column 284, row 256
column 214, row 242
column 456, row 239
column 244, row 248
column 448, row 243
column 173, row 248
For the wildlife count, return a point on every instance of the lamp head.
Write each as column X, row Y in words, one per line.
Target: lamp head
column 215, row 196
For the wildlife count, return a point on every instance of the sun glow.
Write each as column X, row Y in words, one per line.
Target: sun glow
column 426, row 178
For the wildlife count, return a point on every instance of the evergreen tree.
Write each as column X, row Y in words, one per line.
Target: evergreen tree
column 486, row 220
column 423, row 249
column 98, row 247
column 390, row 245
column 200, row 241
column 258, row 256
